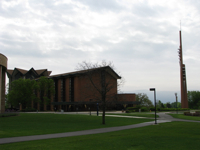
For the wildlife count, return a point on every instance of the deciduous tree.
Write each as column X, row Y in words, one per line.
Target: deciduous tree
column 102, row 82
column 159, row 104
column 22, row 92
column 46, row 89
column 144, row 100
column 194, row 99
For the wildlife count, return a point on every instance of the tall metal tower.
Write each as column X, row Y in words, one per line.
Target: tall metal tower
column 184, row 99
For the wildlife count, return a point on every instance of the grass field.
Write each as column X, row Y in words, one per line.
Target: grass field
column 35, row 124
column 182, row 116
column 165, row 136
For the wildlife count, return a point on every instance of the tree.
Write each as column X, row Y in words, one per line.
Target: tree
column 46, row 89
column 168, row 105
column 194, row 99
column 159, row 104
column 144, row 100
column 176, row 105
column 22, row 92
column 102, row 81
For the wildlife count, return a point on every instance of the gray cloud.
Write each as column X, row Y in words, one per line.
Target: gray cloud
column 103, row 5
column 140, row 38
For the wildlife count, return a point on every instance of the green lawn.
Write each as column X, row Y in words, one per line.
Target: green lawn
column 165, row 136
column 182, row 116
column 35, row 124
column 142, row 114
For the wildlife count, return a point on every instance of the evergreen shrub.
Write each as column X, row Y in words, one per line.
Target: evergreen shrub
column 28, row 109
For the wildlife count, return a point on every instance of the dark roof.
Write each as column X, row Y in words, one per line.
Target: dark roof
column 49, row 72
column 10, row 71
column 38, row 72
column 107, row 68
column 21, row 70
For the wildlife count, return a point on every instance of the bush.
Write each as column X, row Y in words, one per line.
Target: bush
column 11, row 110
column 153, row 108
column 198, row 112
column 195, row 114
column 192, row 114
column 187, row 113
column 8, row 114
column 136, row 109
column 143, row 109
column 28, row 109
column 132, row 109
column 168, row 109
column 173, row 109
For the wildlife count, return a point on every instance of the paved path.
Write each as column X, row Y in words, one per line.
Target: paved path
column 162, row 119
column 165, row 116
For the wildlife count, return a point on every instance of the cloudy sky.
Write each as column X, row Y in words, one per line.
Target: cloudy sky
column 140, row 37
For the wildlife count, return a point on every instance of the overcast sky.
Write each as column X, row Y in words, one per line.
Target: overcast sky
column 140, row 37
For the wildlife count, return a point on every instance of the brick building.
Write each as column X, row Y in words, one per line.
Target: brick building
column 75, row 91
column 3, row 68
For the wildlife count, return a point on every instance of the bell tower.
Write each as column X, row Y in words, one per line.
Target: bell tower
column 183, row 83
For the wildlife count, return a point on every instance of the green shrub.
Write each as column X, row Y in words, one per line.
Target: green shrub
column 9, row 114
column 187, row 113
column 28, row 109
column 136, row 109
column 195, row 114
column 173, row 109
column 143, row 109
column 132, row 109
column 198, row 112
column 153, row 108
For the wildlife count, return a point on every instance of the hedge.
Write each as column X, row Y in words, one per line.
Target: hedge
column 8, row 114
column 197, row 113
column 28, row 110
column 135, row 109
column 168, row 109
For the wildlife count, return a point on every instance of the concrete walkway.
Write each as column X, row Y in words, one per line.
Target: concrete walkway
column 165, row 116
column 162, row 119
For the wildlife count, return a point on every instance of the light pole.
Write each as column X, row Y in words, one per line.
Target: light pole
column 153, row 89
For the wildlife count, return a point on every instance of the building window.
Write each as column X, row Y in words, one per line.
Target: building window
column 56, row 90
column 61, row 88
column 71, row 89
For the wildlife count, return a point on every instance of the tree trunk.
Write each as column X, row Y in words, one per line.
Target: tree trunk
column 103, row 95
column 103, row 115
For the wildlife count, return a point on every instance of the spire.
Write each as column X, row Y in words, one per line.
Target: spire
column 183, row 83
